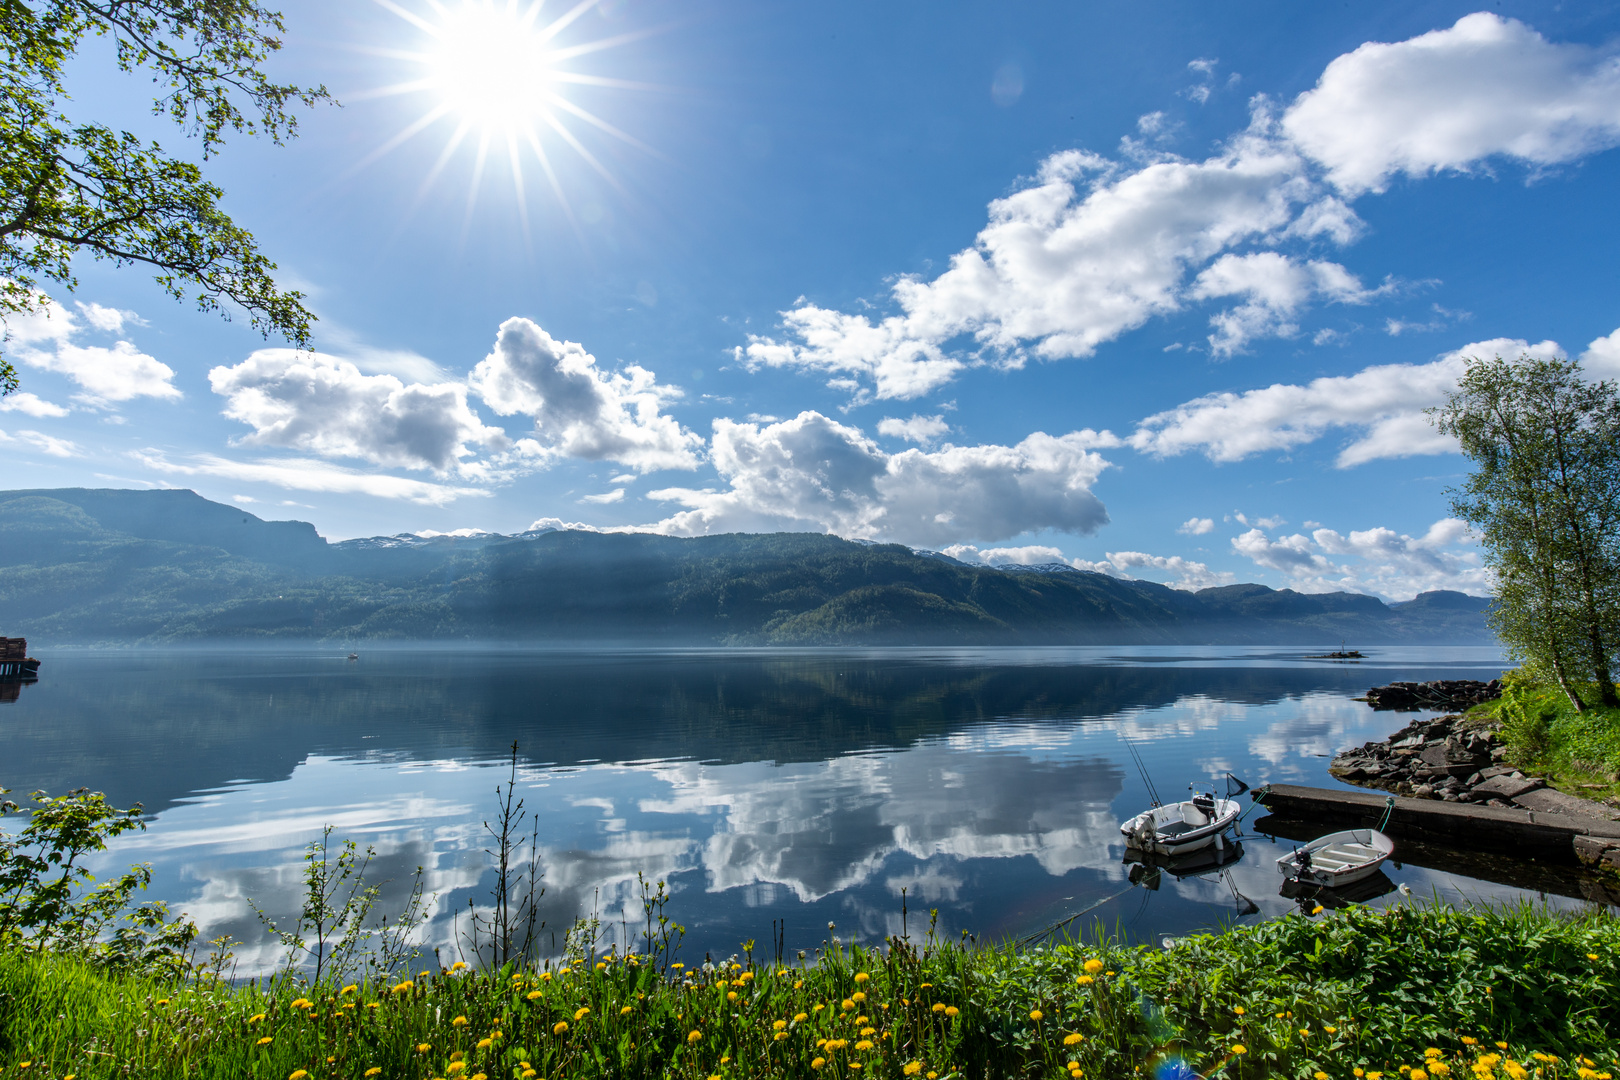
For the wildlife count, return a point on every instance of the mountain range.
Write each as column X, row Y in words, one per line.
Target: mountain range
column 107, row 566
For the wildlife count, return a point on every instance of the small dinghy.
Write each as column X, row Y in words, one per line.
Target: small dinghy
column 1181, row 827
column 1338, row 859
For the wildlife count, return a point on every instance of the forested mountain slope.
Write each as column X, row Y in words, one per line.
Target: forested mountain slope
column 106, row 566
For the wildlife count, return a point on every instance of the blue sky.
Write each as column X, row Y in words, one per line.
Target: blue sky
column 1160, row 290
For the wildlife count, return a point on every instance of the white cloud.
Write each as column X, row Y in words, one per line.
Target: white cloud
column 24, row 402
column 814, row 473
column 1602, row 357
column 1384, row 404
column 1377, row 560
column 1275, row 289
column 1028, row 555
column 107, row 320
column 923, row 430
column 308, row 474
column 1196, row 526
column 323, row 405
column 578, row 409
column 1184, row 573
column 1452, row 98
column 120, row 373
column 616, row 495
column 1084, row 254
column 48, row 444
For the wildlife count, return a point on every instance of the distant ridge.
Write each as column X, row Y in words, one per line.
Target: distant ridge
column 114, row 566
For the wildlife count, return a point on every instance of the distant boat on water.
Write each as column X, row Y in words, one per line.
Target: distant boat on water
column 15, row 663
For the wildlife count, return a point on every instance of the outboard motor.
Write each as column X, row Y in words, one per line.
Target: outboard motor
column 1205, row 804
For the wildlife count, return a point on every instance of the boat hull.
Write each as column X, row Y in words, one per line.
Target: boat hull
column 1339, row 859
column 1180, row 828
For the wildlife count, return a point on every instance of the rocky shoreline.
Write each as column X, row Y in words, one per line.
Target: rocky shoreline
column 1438, row 758
column 1440, row 695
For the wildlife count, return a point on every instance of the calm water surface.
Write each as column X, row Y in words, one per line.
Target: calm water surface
column 803, row 786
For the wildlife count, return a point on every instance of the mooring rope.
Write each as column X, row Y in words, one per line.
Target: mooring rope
column 1055, row 927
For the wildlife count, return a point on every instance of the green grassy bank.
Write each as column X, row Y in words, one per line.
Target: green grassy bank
column 1411, row 993
column 1577, row 752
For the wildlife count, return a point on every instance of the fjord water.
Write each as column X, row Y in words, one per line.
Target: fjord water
column 802, row 787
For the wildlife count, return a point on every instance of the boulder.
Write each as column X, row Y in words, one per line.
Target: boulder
column 1506, row 787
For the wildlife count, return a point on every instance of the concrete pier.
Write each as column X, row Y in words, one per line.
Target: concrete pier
column 1568, row 833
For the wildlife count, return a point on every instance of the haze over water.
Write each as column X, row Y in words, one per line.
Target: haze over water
column 807, row 787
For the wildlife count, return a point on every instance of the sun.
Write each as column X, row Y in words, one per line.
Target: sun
column 496, row 75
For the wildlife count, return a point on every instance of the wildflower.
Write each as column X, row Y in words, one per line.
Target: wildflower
column 1469, row 1040
column 266, row 1041
column 373, row 1005
column 528, row 1074
column 1305, row 1032
column 696, row 1036
column 1108, row 974
column 581, row 1014
column 1073, row 1039
column 457, row 1056
column 1239, row 1048
column 1375, row 1076
column 861, row 976
column 1439, row 1068
column 1319, row 1075
column 255, row 1018
column 868, row 1031
column 456, row 1067
column 626, row 1011
column 1432, row 1052
column 859, row 995
column 1591, row 956
column 1418, row 1074
column 932, row 1075
column 818, row 1063
column 601, row 966
column 479, row 1076
column 1239, row 1010
column 405, row 987
column 375, row 1070
column 534, row 995
column 422, row 1048
column 855, row 1065
column 847, row 1005
column 951, row 1010
column 1035, row 1015
column 939, row 1006
column 1093, row 966
column 912, row 1068
column 732, row 996
column 779, row 1036
column 864, row 1044
column 818, row 1008
column 302, row 1003
column 485, row 1044
column 799, row 985
column 747, row 976
column 799, row 1018
column 162, row 1001
column 460, row 1022
column 1358, row 1072
column 1318, row 909
column 1330, row 1029
column 1084, row 980
column 299, row 1074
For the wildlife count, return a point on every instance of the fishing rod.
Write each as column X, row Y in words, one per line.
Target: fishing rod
column 1141, row 769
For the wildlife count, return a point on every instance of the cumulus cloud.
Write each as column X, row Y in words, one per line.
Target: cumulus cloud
column 46, row 339
column 24, row 402
column 48, row 444
column 1377, row 560
column 324, row 405
column 308, row 474
column 1602, row 357
column 1452, row 98
column 578, row 409
column 1085, row 253
column 811, row 472
column 1028, row 555
column 919, row 429
column 1184, row 573
column 1092, row 248
column 616, row 495
column 1384, row 404
column 1196, row 526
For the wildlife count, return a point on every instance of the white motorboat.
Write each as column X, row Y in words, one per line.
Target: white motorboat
column 1338, row 859
column 1181, row 827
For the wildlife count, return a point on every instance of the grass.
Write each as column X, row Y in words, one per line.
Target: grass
column 1578, row 753
column 1410, row 993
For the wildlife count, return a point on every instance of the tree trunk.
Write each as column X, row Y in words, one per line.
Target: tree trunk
column 1600, row 671
column 1564, row 684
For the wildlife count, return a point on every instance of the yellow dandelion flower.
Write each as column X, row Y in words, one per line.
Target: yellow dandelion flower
column 818, row 1063
column 1073, row 1039
column 1330, row 1029
column 912, row 1068
column 932, row 1076
column 1439, row 1068
column 868, row 1031
column 861, row 976
column 162, row 1001
column 1418, row 1074
column 1469, row 1040
column 529, row 1074
column 1084, row 980
column 1239, row 1048
column 1432, row 1052
column 375, row 1070
column 373, row 1005
column 460, row 1022
column 456, row 1067
column 298, row 1074
column 485, row 1044
column 255, row 1018
column 1239, row 1010
column 856, row 1066
column 1318, row 909
column 479, row 1076
column 847, row 1005
column 1093, row 966
column 534, row 995
column 422, row 1048
column 559, row 1027
column 695, row 1036
column 862, row 1019
column 859, row 995
column 779, row 1036
column 266, row 1041
column 1591, row 956
column 1358, row 1072
column 818, row 1008
column 732, row 996
column 404, row 987
column 951, row 1010
column 627, row 1010
column 302, row 1003
column 799, row 1018
column 1319, row 1075
column 927, row 986
column 1036, row 1015
column 581, row 1014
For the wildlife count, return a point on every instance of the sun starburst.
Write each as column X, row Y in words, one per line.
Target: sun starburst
column 495, row 75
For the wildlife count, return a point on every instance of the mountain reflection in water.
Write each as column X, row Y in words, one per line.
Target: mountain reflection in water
column 809, row 786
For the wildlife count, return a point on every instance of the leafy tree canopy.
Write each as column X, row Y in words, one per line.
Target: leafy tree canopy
column 69, row 186
column 1544, row 497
